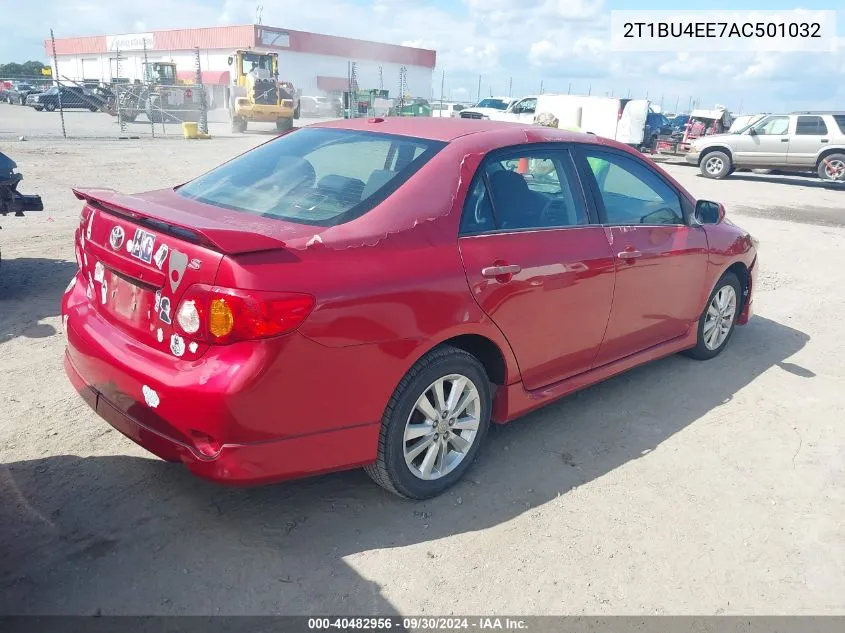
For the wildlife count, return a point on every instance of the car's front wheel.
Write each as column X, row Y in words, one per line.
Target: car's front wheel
column 717, row 324
column 715, row 165
column 434, row 425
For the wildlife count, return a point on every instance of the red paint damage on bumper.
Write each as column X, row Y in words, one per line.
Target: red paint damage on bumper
column 252, row 442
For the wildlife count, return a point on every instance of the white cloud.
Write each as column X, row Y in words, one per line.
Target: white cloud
column 562, row 43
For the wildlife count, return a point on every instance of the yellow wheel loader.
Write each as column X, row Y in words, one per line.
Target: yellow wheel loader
column 258, row 95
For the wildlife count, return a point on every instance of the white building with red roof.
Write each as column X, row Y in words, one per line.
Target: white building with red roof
column 317, row 64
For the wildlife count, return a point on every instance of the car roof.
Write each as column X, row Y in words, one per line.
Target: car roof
column 449, row 129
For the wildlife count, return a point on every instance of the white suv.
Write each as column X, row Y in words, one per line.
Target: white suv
column 800, row 142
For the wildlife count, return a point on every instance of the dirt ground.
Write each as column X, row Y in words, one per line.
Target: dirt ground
column 680, row 487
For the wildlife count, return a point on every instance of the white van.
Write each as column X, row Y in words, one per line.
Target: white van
column 621, row 119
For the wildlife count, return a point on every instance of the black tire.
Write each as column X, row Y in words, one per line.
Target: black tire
column 390, row 470
column 296, row 113
column 824, row 168
column 238, row 125
column 22, row 100
column 50, row 106
column 701, row 351
column 283, row 125
column 715, row 165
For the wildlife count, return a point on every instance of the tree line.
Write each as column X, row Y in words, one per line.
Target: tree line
column 27, row 69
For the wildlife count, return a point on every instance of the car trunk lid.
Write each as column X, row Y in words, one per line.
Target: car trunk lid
column 140, row 253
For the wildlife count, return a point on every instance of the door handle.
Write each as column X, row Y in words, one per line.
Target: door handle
column 825, row 140
column 629, row 254
column 499, row 271
column 784, row 140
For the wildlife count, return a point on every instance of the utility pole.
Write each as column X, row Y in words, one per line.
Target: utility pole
column 569, row 88
column 479, row 90
column 510, row 86
column 56, row 67
column 442, row 87
column 541, row 86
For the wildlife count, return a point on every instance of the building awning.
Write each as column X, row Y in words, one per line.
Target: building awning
column 332, row 84
column 209, row 77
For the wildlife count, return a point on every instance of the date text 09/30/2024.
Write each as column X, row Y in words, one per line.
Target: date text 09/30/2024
column 428, row 623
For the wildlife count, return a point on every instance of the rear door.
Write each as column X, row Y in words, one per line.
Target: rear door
column 137, row 273
column 536, row 261
column 661, row 261
column 807, row 140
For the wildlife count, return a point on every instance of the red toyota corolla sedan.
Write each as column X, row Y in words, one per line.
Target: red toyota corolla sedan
column 376, row 292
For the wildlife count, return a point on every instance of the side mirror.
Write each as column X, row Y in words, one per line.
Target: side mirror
column 707, row 212
column 231, row 60
column 752, row 131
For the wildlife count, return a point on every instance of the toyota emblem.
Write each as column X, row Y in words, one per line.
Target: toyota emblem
column 116, row 237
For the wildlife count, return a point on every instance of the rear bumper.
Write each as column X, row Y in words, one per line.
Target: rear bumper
column 236, row 415
column 234, row 464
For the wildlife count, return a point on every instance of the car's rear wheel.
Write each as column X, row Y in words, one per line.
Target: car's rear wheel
column 832, row 168
column 715, row 165
column 434, row 425
column 50, row 106
column 718, row 322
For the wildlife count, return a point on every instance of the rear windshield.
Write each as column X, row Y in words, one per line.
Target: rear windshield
column 318, row 176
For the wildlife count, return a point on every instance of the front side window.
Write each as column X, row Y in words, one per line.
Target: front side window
column 317, row 176
column 530, row 191
column 773, row 126
column 631, row 192
column 526, row 106
column 810, row 126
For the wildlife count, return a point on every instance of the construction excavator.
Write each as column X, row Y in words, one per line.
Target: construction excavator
column 257, row 94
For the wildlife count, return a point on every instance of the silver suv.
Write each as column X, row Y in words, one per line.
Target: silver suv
column 800, row 142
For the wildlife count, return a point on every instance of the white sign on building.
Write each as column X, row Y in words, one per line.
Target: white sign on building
column 130, row 42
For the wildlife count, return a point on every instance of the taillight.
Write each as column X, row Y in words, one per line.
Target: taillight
column 189, row 93
column 224, row 315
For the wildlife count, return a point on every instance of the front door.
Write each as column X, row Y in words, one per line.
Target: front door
column 766, row 143
column 537, row 263
column 661, row 261
column 808, row 139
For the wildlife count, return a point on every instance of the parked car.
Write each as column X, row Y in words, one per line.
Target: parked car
column 487, row 107
column 18, row 93
column 445, row 109
column 797, row 142
column 655, row 125
column 317, row 107
column 374, row 292
column 71, row 97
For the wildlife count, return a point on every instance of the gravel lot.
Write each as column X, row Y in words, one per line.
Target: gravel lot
column 680, row 487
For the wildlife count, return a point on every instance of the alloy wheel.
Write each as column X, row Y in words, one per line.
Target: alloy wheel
column 720, row 317
column 442, row 427
column 714, row 165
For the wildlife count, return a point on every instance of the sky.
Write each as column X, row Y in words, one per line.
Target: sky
column 561, row 45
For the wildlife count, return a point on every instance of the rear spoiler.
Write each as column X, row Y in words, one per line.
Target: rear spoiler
column 218, row 234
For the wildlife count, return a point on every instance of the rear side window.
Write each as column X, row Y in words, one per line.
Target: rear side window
column 536, row 189
column 811, row 126
column 840, row 121
column 316, row 176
